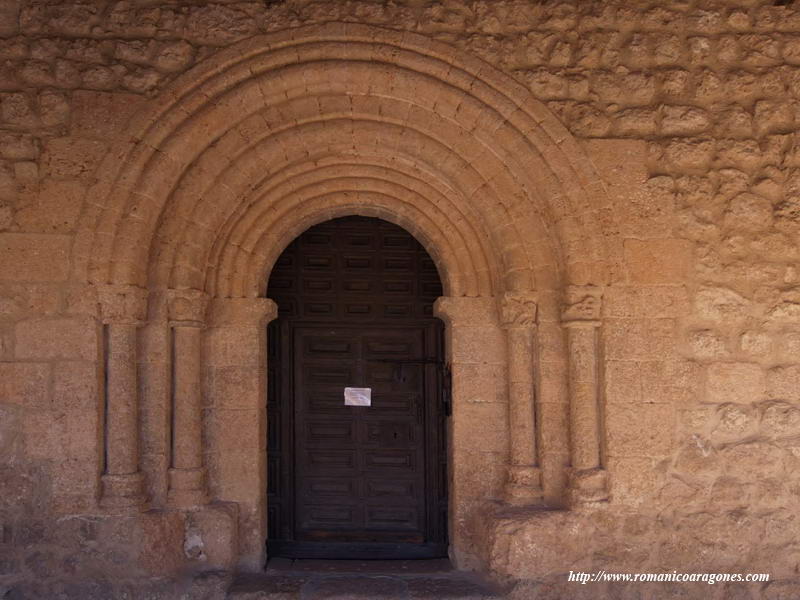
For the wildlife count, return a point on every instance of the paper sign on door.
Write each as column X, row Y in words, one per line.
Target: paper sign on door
column 357, row 396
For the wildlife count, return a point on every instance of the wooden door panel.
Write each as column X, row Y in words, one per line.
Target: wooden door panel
column 354, row 299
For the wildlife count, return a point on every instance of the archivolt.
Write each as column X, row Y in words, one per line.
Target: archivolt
column 283, row 131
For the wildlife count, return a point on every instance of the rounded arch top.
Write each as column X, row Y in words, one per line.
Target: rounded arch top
column 196, row 172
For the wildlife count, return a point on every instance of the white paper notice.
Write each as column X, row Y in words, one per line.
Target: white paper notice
column 357, row 396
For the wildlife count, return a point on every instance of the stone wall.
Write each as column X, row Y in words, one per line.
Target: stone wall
column 689, row 112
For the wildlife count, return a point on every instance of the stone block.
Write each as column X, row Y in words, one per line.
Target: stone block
column 66, row 339
column 783, row 383
column 236, row 430
column 55, row 207
column 25, row 384
column 658, row 261
column 9, row 17
column 487, row 421
column 640, row 430
column 211, row 536
column 76, row 385
column 707, row 344
column 234, row 346
column 34, row 257
column 721, row 305
column 10, row 428
column 235, row 387
column 738, row 383
column 19, row 146
column 623, row 381
column 635, row 481
column 72, row 158
column 479, row 383
column 684, row 120
column 117, row 109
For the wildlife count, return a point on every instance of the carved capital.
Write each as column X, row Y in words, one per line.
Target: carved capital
column 122, row 304
column 518, row 309
column 242, row 312
column 582, row 304
column 187, row 308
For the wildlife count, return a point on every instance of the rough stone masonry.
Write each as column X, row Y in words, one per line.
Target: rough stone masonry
column 611, row 193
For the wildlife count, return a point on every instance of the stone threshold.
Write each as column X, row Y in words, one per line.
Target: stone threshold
column 286, row 579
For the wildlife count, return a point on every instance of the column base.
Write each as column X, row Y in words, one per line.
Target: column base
column 123, row 493
column 587, row 486
column 187, row 488
column 524, row 486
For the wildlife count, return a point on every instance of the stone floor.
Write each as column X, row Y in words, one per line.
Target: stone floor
column 356, row 580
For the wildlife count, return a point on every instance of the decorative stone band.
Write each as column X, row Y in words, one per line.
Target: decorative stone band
column 588, row 481
column 242, row 312
column 187, row 308
column 122, row 304
column 518, row 311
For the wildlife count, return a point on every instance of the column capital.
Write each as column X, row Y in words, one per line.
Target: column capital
column 518, row 309
column 122, row 304
column 187, row 308
column 582, row 305
column 242, row 312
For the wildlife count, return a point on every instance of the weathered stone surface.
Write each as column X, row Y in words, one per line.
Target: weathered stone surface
column 31, row 257
column 683, row 211
column 68, row 339
column 735, row 382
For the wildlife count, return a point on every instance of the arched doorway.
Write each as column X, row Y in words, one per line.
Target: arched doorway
column 357, row 461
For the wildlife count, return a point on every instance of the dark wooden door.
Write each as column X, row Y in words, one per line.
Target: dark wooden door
column 354, row 299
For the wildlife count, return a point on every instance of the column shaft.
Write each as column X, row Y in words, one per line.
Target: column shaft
column 122, row 418
column 122, row 310
column 524, row 486
column 187, row 441
column 584, row 409
column 187, row 476
column 588, row 481
column 522, row 420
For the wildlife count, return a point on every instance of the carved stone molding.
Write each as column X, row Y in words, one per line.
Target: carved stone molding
column 518, row 309
column 122, row 303
column 187, row 308
column 242, row 312
column 582, row 304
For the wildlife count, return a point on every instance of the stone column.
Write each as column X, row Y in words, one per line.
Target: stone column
column 236, row 345
column 187, row 474
column 123, row 309
column 518, row 316
column 588, row 480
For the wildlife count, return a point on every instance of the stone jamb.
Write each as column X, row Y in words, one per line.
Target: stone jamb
column 236, row 336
